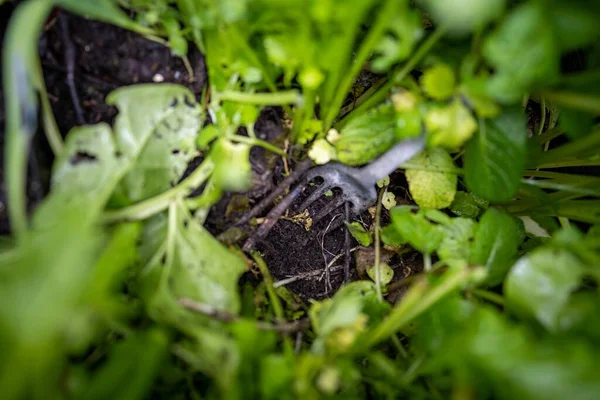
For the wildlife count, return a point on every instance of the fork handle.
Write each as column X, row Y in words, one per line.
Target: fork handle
column 390, row 160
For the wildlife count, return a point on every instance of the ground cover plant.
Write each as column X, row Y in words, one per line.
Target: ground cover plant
column 152, row 246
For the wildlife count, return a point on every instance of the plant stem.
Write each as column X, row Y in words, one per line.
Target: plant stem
column 489, row 296
column 258, row 142
column 543, row 111
column 383, row 91
column 367, row 46
column 577, row 101
column 19, row 60
column 262, row 99
column 273, row 297
column 576, row 149
column 154, row 205
column 427, row 262
column 378, row 244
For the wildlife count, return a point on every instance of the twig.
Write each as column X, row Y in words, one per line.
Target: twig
column 317, row 272
column 323, row 250
column 301, row 168
column 271, row 218
column 69, row 50
column 223, row 316
column 347, row 244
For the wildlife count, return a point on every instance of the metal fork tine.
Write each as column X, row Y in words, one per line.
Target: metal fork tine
column 313, row 196
column 331, row 206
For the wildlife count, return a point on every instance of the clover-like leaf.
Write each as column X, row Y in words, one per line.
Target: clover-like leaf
column 450, row 126
column 429, row 188
column 438, row 82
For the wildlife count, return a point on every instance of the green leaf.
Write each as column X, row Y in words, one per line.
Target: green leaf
column 386, row 273
column 421, row 234
column 464, row 16
column 539, row 285
column 438, row 82
column 465, row 205
column 508, row 361
column 227, row 154
column 131, row 368
column 575, row 23
column 496, row 242
column 523, row 52
column 432, row 189
column 157, row 127
column 338, row 321
column 391, row 237
column 183, row 260
column 495, row 158
column 403, row 33
column 455, row 245
column 359, row 233
column 450, row 126
column 103, row 10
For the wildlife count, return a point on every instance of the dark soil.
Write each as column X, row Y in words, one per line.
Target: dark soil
column 107, row 57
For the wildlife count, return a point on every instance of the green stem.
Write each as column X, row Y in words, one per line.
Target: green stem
column 543, row 111
column 19, row 58
column 273, row 297
column 378, row 244
column 262, row 99
column 362, row 56
column 159, row 203
column 577, row 101
column 50, row 127
column 258, row 142
column 417, row 300
column 579, row 148
column 489, row 296
column 383, row 91
column 427, row 262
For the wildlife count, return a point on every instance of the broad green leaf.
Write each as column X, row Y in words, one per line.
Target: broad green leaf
column 183, row 261
column 420, row 233
column 428, row 188
column 276, row 376
column 131, row 368
column 227, row 154
column 157, row 126
column 84, row 175
column 56, row 261
column 403, row 33
column 186, row 261
column 495, row 158
column 539, row 284
column 391, row 237
column 575, row 23
column 438, row 81
column 464, row 205
column 386, row 273
column 455, row 245
column 464, row 16
column 450, row 126
column 496, row 242
column 359, row 233
column 338, row 321
column 523, row 52
column 509, row 362
column 578, row 316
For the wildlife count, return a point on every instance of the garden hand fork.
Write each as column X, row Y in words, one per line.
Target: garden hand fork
column 357, row 184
